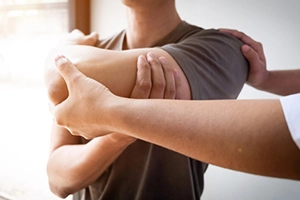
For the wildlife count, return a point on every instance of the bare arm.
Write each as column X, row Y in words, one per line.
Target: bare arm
column 72, row 165
column 230, row 134
column 281, row 82
column 115, row 69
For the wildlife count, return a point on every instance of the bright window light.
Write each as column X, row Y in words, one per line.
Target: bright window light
column 28, row 31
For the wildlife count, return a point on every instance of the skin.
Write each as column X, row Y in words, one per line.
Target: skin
column 238, row 138
column 73, row 165
column 281, row 82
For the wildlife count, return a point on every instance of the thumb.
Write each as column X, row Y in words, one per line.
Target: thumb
column 251, row 55
column 67, row 70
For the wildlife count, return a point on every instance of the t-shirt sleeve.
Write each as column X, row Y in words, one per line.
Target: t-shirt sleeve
column 212, row 63
column 291, row 109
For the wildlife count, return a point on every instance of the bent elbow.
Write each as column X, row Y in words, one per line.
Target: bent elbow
column 62, row 184
column 56, row 87
column 61, row 192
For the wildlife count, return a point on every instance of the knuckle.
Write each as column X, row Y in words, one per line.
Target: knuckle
column 160, row 84
column 145, row 85
column 75, row 80
column 167, row 69
column 154, row 61
column 145, row 65
column 170, row 93
column 62, row 63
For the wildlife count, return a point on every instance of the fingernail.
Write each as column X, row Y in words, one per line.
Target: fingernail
column 58, row 57
column 61, row 60
column 163, row 60
column 142, row 58
column 151, row 55
column 245, row 48
column 175, row 71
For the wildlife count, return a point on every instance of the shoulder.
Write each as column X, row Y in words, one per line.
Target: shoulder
column 212, row 59
column 209, row 45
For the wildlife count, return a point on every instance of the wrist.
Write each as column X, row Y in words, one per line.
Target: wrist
column 120, row 112
column 263, row 82
column 110, row 112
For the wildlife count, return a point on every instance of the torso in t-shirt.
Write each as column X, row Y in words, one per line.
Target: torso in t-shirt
column 215, row 69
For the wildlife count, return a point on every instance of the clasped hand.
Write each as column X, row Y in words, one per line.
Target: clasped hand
column 86, row 108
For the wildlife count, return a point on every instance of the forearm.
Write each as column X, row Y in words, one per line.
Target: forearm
column 73, row 167
column 282, row 82
column 114, row 69
column 230, row 134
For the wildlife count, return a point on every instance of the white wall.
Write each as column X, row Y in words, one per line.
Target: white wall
column 275, row 24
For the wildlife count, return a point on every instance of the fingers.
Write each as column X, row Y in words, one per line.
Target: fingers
column 143, row 83
column 170, row 82
column 77, row 32
column 251, row 55
column 91, row 39
column 79, row 38
column 67, row 70
column 178, row 84
column 256, row 46
column 157, row 77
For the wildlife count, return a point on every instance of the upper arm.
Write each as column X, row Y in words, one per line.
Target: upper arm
column 213, row 64
column 114, row 69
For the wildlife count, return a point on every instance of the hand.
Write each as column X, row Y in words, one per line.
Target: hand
column 76, row 37
column 87, row 97
column 155, row 79
column 253, row 51
column 78, row 113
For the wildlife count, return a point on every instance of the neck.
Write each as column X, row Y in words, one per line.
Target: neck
column 146, row 26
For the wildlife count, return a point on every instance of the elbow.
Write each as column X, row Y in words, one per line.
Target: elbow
column 63, row 183
column 59, row 191
column 56, row 87
column 59, row 187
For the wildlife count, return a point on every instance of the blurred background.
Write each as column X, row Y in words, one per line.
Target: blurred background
column 30, row 28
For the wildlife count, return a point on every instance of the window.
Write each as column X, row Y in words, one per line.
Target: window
column 28, row 30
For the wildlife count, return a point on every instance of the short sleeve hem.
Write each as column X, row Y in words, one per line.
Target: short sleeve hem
column 291, row 108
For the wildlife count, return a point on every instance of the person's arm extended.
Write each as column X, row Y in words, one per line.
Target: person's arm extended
column 245, row 135
column 248, row 136
column 281, row 82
